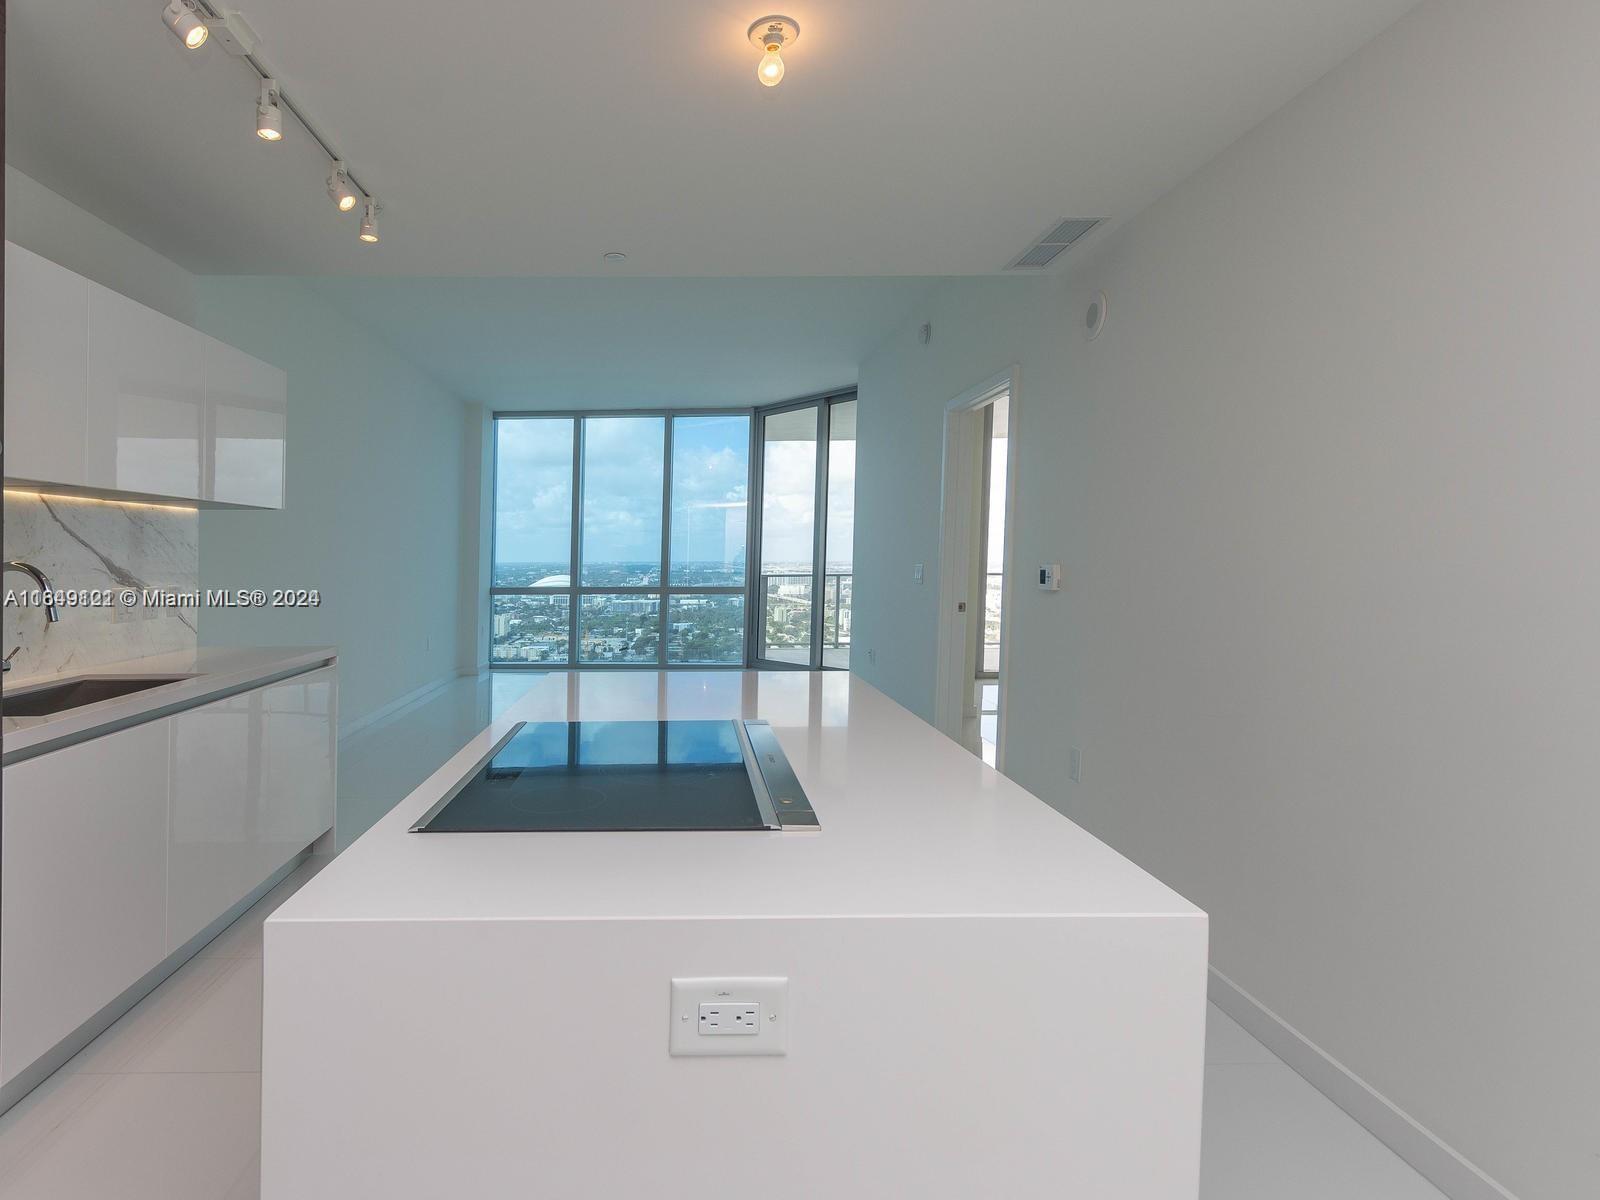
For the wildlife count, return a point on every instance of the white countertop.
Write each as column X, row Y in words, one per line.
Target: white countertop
column 911, row 825
column 208, row 671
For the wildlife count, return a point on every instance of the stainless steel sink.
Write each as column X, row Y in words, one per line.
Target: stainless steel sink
column 46, row 699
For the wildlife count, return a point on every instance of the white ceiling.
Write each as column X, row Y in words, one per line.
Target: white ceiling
column 630, row 343
column 911, row 137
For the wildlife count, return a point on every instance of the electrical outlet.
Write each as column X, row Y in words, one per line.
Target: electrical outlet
column 730, row 1020
column 1075, row 765
column 723, row 1016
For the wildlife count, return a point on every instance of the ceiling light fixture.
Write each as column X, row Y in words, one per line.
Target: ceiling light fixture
column 613, row 256
column 185, row 22
column 269, row 117
column 772, row 34
column 339, row 189
column 193, row 22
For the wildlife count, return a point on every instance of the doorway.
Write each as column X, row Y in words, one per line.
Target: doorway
column 975, row 566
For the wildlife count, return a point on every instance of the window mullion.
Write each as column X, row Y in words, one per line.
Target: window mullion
column 666, row 539
column 575, row 576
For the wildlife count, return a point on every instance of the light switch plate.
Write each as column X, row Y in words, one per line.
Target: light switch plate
column 694, row 1031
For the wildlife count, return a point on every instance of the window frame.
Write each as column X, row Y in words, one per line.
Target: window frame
column 755, row 610
column 576, row 589
column 750, row 589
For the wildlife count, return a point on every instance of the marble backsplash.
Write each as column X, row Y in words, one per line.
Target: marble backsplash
column 86, row 544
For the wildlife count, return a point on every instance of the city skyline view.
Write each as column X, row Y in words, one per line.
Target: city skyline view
column 598, row 486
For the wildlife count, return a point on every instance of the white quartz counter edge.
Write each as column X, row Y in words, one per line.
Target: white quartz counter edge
column 211, row 671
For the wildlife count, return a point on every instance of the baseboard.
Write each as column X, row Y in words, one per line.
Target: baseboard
column 378, row 715
column 1435, row 1161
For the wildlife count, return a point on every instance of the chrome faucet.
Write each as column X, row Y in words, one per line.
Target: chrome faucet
column 45, row 586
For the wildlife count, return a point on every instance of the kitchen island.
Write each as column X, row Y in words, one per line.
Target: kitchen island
column 981, row 999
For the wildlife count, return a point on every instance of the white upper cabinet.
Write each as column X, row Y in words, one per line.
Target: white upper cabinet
column 109, row 397
column 147, row 399
column 46, row 375
column 247, row 405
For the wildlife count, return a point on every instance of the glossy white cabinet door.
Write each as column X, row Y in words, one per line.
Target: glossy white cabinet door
column 252, row 786
column 46, row 372
column 83, row 835
column 247, row 404
column 146, row 399
column 215, row 826
column 298, row 762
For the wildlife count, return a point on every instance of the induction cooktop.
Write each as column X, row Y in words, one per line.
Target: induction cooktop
column 599, row 776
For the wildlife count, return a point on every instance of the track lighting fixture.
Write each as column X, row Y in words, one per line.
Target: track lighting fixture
column 186, row 23
column 772, row 34
column 193, row 22
column 269, row 117
column 339, row 189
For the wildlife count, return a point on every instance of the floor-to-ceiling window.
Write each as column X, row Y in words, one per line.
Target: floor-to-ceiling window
column 807, row 529
column 620, row 539
column 625, row 539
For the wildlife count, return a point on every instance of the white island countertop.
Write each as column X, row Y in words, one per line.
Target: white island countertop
column 200, row 675
column 954, row 991
column 911, row 825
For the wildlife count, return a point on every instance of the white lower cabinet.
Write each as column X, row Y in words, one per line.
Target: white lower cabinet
column 211, row 847
column 83, row 882
column 298, row 761
column 252, row 786
column 117, row 851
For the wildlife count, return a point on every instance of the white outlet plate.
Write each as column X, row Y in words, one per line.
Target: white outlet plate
column 711, row 1016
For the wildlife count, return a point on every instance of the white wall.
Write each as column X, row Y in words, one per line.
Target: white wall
column 374, row 516
column 1326, row 492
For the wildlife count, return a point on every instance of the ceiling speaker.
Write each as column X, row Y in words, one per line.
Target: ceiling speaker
column 1094, row 320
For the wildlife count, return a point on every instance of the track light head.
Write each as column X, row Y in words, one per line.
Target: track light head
column 339, row 189
column 369, row 222
column 269, row 117
column 186, row 24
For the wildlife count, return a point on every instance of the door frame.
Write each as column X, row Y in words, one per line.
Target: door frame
column 959, row 509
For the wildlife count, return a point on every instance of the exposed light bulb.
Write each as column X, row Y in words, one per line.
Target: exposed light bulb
column 269, row 117
column 772, row 36
column 369, row 222
column 339, row 189
column 770, row 69
column 185, row 24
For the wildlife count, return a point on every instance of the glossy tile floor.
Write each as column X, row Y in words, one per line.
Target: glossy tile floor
column 166, row 1104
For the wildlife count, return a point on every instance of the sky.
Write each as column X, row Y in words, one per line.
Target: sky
column 622, row 473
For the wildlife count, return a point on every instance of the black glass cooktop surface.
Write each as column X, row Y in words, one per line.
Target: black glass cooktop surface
column 612, row 775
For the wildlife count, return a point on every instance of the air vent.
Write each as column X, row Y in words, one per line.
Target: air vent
column 1045, row 251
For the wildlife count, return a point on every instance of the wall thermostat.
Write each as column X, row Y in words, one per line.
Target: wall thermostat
column 1050, row 577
